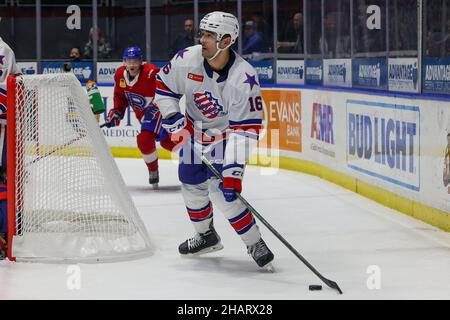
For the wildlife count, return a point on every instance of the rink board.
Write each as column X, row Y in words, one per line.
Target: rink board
column 390, row 149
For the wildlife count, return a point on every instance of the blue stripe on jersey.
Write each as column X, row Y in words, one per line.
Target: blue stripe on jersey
column 168, row 94
column 248, row 121
column 177, row 95
column 3, row 91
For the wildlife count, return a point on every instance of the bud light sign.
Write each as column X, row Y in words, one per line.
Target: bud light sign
column 383, row 141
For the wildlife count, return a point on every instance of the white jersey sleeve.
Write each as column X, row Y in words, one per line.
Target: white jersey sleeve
column 7, row 63
column 245, row 120
column 170, row 85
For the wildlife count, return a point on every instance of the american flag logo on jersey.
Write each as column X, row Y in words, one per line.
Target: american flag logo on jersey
column 208, row 105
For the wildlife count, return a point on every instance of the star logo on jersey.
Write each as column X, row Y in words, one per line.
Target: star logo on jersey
column 251, row 80
column 208, row 105
column 1, row 59
column 181, row 53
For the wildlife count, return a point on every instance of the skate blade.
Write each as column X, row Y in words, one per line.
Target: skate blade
column 214, row 248
column 155, row 186
column 268, row 268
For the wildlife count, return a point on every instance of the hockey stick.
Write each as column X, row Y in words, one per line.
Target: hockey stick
column 81, row 136
column 65, row 145
column 328, row 282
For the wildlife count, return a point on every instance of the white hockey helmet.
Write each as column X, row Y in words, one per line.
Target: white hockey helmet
column 221, row 23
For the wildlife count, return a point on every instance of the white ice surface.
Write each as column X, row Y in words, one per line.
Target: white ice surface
column 339, row 232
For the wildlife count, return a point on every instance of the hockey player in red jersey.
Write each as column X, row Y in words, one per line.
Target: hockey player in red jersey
column 135, row 87
column 224, row 111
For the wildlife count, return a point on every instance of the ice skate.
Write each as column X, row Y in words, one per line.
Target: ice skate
column 261, row 254
column 201, row 243
column 153, row 178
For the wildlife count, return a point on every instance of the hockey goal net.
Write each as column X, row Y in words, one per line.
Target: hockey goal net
column 66, row 198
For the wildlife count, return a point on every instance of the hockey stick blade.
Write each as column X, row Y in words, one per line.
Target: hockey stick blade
column 332, row 285
column 328, row 282
column 104, row 124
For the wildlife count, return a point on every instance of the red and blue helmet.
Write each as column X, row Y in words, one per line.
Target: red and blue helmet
column 132, row 53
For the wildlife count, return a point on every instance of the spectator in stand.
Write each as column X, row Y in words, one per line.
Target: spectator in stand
column 75, row 54
column 186, row 39
column 291, row 40
column 253, row 40
column 103, row 46
column 336, row 43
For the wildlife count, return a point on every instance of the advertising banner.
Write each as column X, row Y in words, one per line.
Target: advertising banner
column 27, row 67
column 314, row 72
column 82, row 70
column 436, row 75
column 337, row 72
column 322, row 134
column 106, row 71
column 265, row 70
column 283, row 114
column 383, row 141
column 123, row 135
column 403, row 74
column 291, row 71
column 369, row 73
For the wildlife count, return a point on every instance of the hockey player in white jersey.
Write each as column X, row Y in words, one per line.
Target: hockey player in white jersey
column 223, row 118
column 7, row 66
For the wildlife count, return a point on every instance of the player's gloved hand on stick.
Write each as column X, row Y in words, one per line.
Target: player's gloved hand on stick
column 232, row 181
column 113, row 119
column 174, row 123
column 178, row 128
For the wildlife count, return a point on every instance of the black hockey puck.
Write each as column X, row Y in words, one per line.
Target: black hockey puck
column 314, row 287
